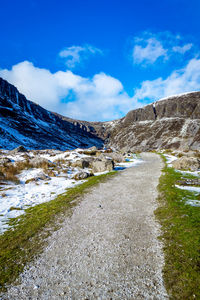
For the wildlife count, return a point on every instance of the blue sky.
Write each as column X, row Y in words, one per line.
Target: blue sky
column 97, row 59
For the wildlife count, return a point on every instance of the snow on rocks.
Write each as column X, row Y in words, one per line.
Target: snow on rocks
column 48, row 173
column 184, row 162
column 187, row 163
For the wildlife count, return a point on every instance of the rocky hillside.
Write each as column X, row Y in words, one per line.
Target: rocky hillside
column 99, row 129
column 23, row 122
column 172, row 123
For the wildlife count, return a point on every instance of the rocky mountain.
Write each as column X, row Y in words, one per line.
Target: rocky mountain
column 172, row 123
column 23, row 122
column 99, row 129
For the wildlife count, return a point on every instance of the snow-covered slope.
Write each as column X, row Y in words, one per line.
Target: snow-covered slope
column 23, row 122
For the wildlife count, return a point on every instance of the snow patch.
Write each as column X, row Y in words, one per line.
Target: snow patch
column 188, row 188
column 195, row 203
column 170, row 159
column 176, row 96
column 14, row 199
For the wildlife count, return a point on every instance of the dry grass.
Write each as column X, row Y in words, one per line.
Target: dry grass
column 50, row 173
column 108, row 151
column 9, row 171
column 60, row 161
column 29, row 180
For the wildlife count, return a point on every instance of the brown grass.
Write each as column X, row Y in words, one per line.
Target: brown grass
column 10, row 171
column 60, row 161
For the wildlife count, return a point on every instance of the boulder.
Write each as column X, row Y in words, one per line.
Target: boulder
column 76, row 164
column 82, row 175
column 90, row 151
column 187, row 163
column 19, row 149
column 39, row 162
column 102, row 157
column 116, row 156
column 83, row 163
column 102, row 165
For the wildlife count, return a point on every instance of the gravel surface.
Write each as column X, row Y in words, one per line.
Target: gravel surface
column 108, row 249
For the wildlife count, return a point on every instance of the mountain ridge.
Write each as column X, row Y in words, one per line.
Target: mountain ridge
column 26, row 123
column 172, row 122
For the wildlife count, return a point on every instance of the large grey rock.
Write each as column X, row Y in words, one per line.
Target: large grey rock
column 102, row 165
column 76, row 164
column 82, row 175
column 83, row 163
column 187, row 163
column 116, row 156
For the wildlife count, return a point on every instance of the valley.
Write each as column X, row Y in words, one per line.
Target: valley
column 98, row 209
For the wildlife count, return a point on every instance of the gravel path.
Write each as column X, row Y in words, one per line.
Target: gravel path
column 108, row 249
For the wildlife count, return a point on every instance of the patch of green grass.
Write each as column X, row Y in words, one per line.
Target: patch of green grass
column 181, row 237
column 27, row 234
column 15, row 208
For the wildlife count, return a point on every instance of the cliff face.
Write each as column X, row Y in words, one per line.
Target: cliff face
column 168, row 123
column 23, row 122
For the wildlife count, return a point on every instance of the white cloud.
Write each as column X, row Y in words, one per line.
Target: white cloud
column 180, row 81
column 182, row 49
column 150, row 52
column 75, row 54
column 101, row 97
column 149, row 47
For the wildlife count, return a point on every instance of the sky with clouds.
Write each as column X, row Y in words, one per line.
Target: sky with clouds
column 96, row 60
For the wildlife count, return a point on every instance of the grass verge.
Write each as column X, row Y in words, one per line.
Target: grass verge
column 27, row 234
column 181, row 237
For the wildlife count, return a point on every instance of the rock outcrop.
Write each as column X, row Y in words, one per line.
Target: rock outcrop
column 172, row 123
column 187, row 163
column 102, row 165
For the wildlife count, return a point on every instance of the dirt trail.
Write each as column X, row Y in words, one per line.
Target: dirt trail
column 108, row 249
